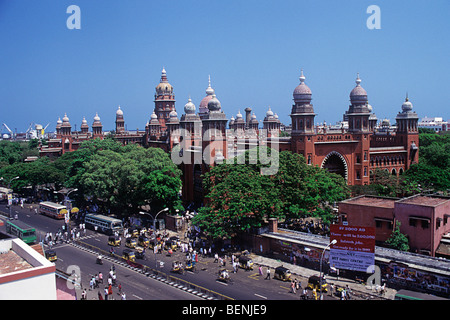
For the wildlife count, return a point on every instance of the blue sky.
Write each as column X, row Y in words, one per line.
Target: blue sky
column 253, row 50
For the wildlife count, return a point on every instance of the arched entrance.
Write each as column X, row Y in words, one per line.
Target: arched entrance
column 334, row 162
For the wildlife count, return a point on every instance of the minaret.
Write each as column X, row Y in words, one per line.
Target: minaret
column 407, row 132
column 97, row 127
column 302, row 116
column 120, row 122
column 203, row 107
column 358, row 112
column 214, row 143
column 164, row 100
column 84, row 126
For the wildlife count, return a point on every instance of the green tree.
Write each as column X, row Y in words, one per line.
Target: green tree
column 398, row 240
column 239, row 197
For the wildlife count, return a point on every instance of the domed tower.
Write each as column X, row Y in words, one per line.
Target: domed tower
column 97, row 127
column 239, row 124
column 271, row 124
column 164, row 100
column 203, row 106
column 214, row 124
column 120, row 122
column 407, row 131
column 173, row 126
column 191, row 125
column 84, row 126
column 253, row 125
column 58, row 127
column 358, row 112
column 302, row 114
column 66, row 127
column 153, row 128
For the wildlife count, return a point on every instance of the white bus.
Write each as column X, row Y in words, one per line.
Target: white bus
column 103, row 223
column 52, row 209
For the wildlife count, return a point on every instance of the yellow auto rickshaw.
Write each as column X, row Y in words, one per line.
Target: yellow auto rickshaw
column 143, row 241
column 245, row 263
column 140, row 252
column 314, row 283
column 51, row 255
column 131, row 243
column 177, row 267
column 282, row 273
column 133, row 231
column 129, row 255
column 114, row 241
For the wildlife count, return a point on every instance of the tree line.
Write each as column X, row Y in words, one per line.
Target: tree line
column 120, row 179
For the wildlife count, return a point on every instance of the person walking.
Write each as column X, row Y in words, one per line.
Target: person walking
column 267, row 274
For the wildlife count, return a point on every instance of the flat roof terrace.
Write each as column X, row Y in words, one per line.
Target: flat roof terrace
column 372, row 201
column 429, row 201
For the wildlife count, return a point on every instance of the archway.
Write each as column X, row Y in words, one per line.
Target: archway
column 334, row 162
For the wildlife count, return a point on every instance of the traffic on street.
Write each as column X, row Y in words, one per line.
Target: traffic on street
column 134, row 266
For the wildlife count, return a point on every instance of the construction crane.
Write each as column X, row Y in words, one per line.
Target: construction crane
column 6, row 136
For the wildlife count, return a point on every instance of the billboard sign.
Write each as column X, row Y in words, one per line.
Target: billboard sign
column 354, row 249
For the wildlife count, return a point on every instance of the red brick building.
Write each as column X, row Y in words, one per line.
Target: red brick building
column 352, row 150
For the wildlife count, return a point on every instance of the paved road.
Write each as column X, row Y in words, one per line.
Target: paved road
column 135, row 285
column 246, row 285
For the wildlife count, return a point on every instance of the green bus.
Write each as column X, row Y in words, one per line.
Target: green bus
column 21, row 230
column 404, row 294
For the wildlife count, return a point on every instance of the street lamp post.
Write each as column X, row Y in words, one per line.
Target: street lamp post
column 321, row 258
column 154, row 229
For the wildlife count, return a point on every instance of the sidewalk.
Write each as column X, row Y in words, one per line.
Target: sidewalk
column 306, row 273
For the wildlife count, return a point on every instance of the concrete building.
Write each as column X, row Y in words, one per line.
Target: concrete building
column 423, row 219
column 25, row 274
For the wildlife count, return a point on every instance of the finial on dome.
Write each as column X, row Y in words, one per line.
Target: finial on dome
column 406, row 96
column 358, row 80
column 302, row 77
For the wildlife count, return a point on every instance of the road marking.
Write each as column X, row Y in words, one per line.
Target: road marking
column 97, row 239
column 254, row 276
column 225, row 284
column 258, row 295
column 137, row 297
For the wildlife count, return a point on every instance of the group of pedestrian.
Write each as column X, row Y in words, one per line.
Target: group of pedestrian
column 108, row 293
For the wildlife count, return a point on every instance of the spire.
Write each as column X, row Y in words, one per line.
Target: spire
column 302, row 77
column 358, row 80
column 209, row 90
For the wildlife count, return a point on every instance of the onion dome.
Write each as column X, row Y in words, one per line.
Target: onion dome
column 189, row 108
column 65, row 118
column 154, row 118
column 173, row 114
column 407, row 105
column 358, row 95
column 96, row 118
column 239, row 115
column 84, row 121
column 269, row 113
column 59, row 122
column 119, row 112
column 302, row 93
column 164, row 87
column 214, row 104
column 203, row 107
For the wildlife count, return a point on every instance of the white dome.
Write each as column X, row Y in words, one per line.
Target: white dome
column 119, row 112
column 153, row 116
column 189, row 108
